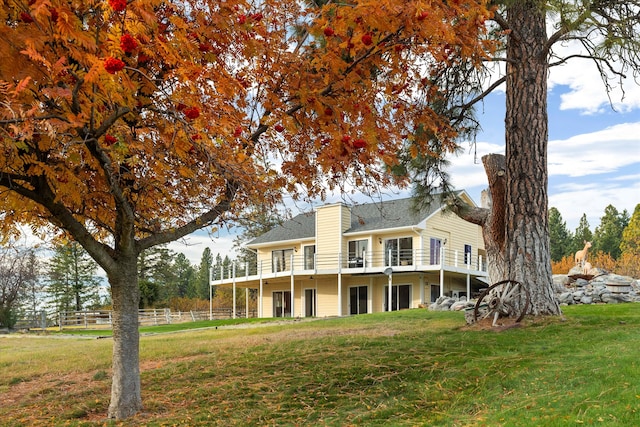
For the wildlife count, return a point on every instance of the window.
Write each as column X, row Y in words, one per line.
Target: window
column 357, row 251
column 309, row 257
column 434, row 251
column 467, row 254
column 398, row 251
column 358, row 299
column 280, row 260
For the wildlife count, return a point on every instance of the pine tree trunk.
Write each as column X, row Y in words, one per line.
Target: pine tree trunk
column 526, row 136
column 126, row 399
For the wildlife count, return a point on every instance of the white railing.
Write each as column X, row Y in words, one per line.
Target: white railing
column 366, row 262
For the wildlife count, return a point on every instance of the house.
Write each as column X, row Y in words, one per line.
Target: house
column 344, row 260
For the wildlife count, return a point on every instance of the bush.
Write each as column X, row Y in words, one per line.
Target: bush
column 563, row 266
column 8, row 318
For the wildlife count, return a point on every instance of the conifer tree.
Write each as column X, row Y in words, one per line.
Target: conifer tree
column 559, row 236
column 630, row 243
column 608, row 235
column 73, row 282
column 583, row 234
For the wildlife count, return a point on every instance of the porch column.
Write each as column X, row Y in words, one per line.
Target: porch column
column 246, row 302
column 233, row 313
column 468, row 287
column 260, row 293
column 421, row 289
column 442, row 271
column 211, row 293
column 292, row 288
column 339, row 284
column 390, row 293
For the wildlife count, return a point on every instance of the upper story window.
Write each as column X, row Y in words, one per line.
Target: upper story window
column 434, row 251
column 357, row 251
column 467, row 254
column 281, row 260
column 309, row 257
column 398, row 251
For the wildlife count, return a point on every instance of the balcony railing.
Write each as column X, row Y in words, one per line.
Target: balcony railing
column 401, row 260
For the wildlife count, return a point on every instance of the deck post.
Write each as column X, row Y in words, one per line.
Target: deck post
column 233, row 313
column 260, row 314
column 339, row 284
column 292, row 289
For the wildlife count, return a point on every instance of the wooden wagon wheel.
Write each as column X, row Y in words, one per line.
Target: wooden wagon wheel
column 507, row 298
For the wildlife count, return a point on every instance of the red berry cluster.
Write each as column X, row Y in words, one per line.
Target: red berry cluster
column 192, row 113
column 110, row 139
column 128, row 44
column 25, row 17
column 118, row 5
column 113, row 65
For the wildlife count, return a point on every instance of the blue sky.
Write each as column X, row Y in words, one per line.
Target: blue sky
column 594, row 152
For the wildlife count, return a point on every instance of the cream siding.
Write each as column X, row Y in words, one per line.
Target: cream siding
column 331, row 222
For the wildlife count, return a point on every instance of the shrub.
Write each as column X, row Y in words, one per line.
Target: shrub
column 8, row 317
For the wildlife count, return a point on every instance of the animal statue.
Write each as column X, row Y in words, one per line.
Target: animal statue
column 581, row 256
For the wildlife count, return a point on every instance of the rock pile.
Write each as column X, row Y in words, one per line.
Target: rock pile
column 445, row 303
column 601, row 287
column 572, row 288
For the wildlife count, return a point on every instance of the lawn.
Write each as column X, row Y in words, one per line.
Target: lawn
column 408, row 368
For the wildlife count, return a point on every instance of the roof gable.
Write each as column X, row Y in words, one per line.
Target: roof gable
column 364, row 217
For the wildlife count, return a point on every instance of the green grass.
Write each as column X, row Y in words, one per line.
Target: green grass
column 175, row 327
column 408, row 368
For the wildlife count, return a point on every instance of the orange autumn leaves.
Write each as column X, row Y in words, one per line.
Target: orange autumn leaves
column 169, row 102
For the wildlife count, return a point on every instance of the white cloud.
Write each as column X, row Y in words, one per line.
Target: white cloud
column 597, row 152
column 573, row 200
column 587, row 91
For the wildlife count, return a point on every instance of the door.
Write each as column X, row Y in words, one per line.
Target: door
column 400, row 297
column 282, row 304
column 309, row 303
column 358, row 299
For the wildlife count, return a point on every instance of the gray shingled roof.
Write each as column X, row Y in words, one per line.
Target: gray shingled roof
column 364, row 217
column 389, row 214
column 299, row 227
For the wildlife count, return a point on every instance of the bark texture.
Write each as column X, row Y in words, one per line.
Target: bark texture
column 126, row 399
column 526, row 136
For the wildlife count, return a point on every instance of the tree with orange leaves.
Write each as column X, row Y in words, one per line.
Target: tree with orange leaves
column 129, row 124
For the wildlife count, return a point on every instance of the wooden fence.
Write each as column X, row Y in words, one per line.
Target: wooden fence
column 102, row 319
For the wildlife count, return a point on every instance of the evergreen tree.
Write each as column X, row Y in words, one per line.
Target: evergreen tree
column 73, row 282
column 631, row 235
column 608, row 234
column 559, row 236
column 156, row 275
column 202, row 275
column 185, row 274
column 257, row 222
column 582, row 234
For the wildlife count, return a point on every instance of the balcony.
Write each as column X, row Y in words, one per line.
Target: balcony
column 365, row 263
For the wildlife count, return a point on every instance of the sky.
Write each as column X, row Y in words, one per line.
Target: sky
column 594, row 152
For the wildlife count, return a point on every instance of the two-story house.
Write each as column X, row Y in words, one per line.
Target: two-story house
column 341, row 259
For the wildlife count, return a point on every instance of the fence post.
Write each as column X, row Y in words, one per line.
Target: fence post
column 60, row 320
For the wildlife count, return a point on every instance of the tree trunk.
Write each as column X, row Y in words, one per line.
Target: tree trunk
column 126, row 399
column 526, row 136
